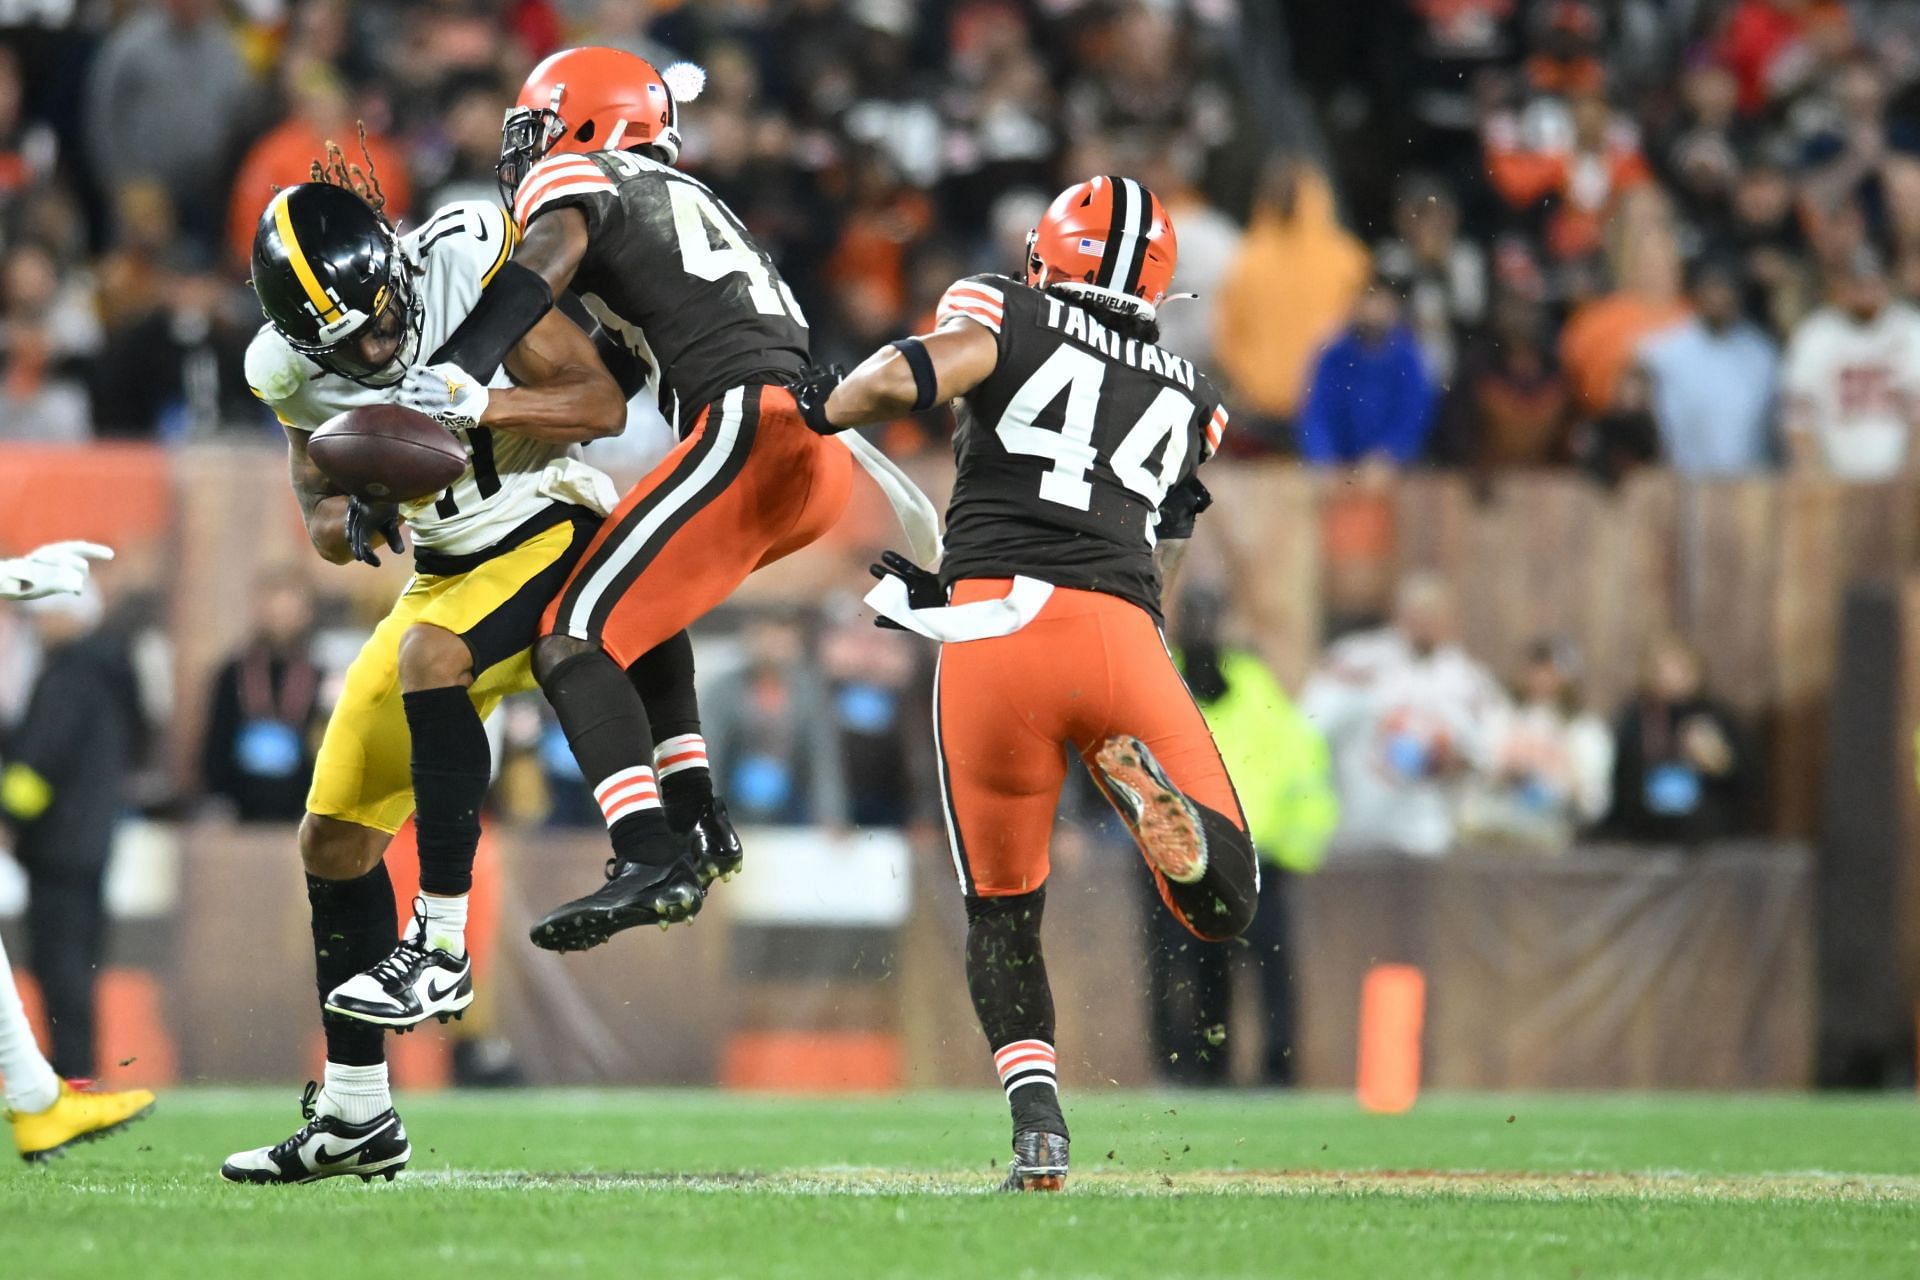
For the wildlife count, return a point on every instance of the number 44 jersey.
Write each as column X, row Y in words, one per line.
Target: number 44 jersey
column 1069, row 447
column 671, row 273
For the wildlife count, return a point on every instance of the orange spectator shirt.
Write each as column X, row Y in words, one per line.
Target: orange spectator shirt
column 285, row 157
column 1602, row 338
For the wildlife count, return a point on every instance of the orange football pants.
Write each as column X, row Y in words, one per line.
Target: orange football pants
column 1006, row 709
column 749, row 485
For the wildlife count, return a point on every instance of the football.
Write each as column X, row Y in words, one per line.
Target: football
column 384, row 453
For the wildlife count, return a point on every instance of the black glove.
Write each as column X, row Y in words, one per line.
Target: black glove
column 923, row 585
column 367, row 521
column 1180, row 508
column 811, row 390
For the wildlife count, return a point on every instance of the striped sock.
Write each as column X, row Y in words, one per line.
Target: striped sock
column 686, row 784
column 1025, row 1062
column 627, row 793
column 678, row 754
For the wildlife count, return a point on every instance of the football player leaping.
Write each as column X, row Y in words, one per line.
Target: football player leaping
column 588, row 155
column 46, row 1113
column 351, row 304
column 1078, row 441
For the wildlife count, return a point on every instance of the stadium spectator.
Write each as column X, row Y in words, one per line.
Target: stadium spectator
column 1603, row 336
column 1279, row 762
column 63, row 785
column 1371, row 399
column 28, row 148
column 1625, row 436
column 623, row 24
column 884, row 219
column 1771, row 242
column 1002, row 131
column 1573, row 172
column 1682, row 768
column 1441, row 273
column 891, row 110
column 1713, row 379
column 134, row 273
column 1550, row 773
column 771, row 732
column 1509, row 405
column 45, row 341
column 165, row 94
column 1288, row 292
column 321, row 113
column 35, row 294
column 179, row 371
column 1140, row 72
column 1772, row 46
column 1854, row 157
column 1852, row 379
column 1406, row 713
column 881, row 691
column 1704, row 154
column 459, row 164
column 1209, row 243
column 257, row 752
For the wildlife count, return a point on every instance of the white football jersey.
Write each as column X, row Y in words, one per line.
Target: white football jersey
column 1860, row 382
column 509, row 478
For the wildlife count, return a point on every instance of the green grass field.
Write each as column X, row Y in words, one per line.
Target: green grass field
column 699, row 1184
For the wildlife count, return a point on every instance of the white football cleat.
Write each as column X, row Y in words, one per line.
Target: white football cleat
column 413, row 984
column 326, row 1147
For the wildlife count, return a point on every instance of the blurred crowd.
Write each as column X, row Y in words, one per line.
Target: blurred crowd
column 1483, row 234
column 1609, row 234
column 877, row 148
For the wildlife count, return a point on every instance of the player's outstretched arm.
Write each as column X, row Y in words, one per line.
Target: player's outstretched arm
column 322, row 504
column 959, row 356
column 519, row 295
column 564, row 394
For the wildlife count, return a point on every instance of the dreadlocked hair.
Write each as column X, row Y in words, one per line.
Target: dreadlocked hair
column 334, row 167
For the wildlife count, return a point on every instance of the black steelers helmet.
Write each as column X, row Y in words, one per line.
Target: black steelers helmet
column 328, row 269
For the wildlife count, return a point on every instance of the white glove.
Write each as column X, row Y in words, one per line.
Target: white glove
column 446, row 393
column 55, row 569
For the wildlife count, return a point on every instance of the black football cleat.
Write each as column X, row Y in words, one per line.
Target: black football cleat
column 635, row 893
column 326, row 1147
column 714, row 845
column 1039, row 1163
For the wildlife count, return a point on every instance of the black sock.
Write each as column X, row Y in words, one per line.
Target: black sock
column 451, row 765
column 606, row 725
column 1221, row 903
column 353, row 929
column 687, row 793
column 1007, row 977
column 663, row 677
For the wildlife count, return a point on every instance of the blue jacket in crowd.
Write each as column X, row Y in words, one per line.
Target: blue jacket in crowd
column 1368, row 398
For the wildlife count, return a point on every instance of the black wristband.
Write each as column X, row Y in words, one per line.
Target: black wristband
column 509, row 306
column 926, row 386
